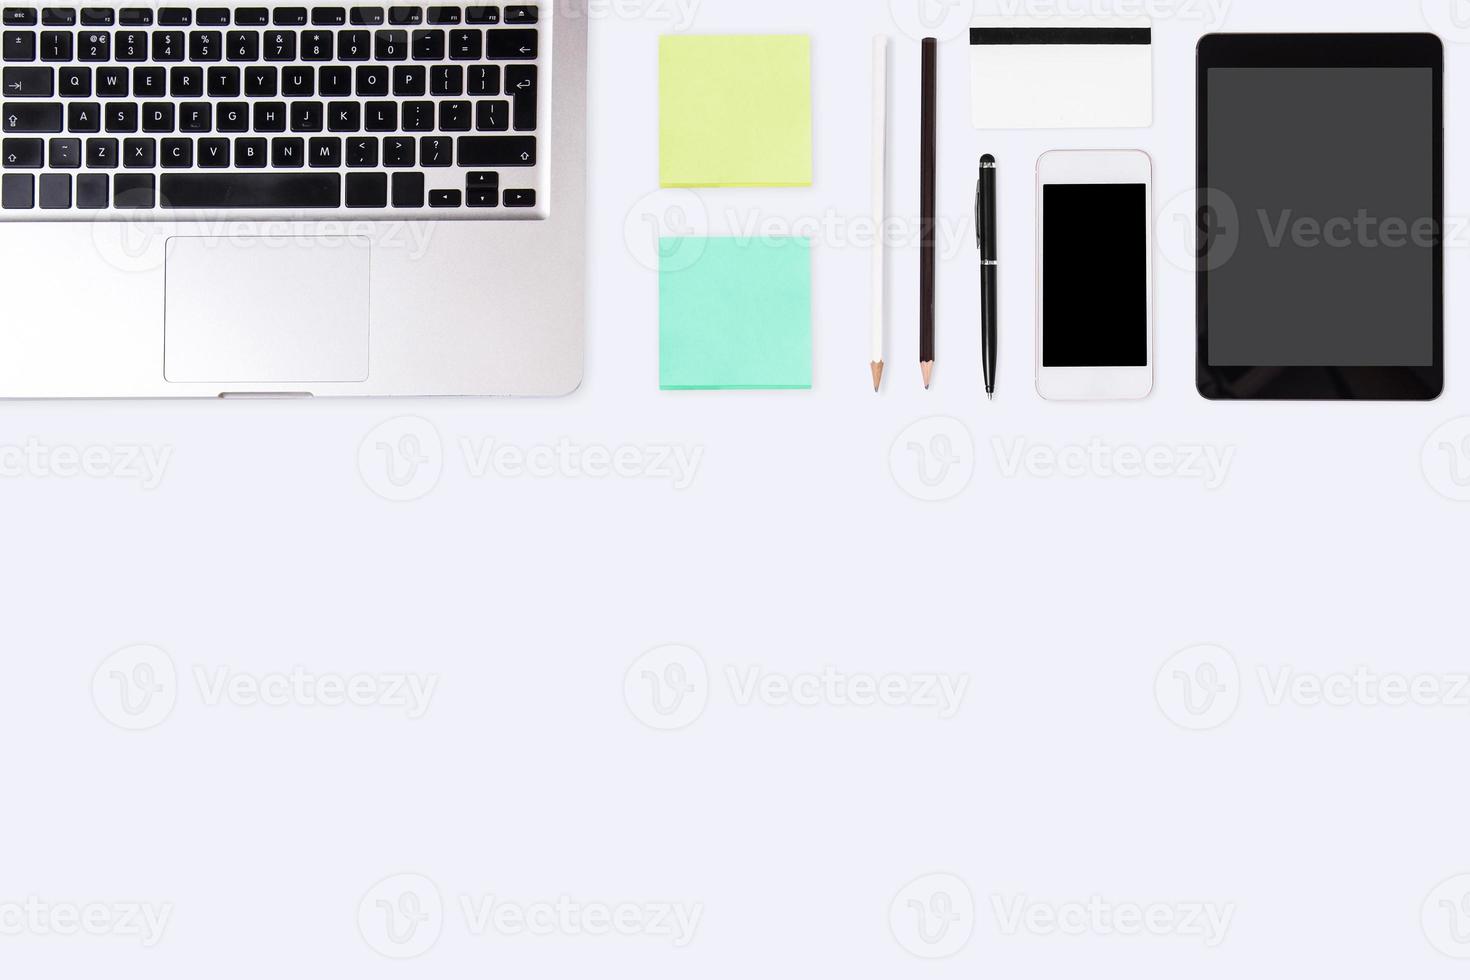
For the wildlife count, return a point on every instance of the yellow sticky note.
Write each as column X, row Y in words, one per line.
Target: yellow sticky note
column 735, row 111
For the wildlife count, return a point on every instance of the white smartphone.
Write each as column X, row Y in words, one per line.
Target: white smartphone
column 1095, row 283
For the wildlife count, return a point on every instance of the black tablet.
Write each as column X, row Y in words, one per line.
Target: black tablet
column 1321, row 210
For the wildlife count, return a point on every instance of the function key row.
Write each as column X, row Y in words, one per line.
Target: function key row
column 264, row 16
column 384, row 44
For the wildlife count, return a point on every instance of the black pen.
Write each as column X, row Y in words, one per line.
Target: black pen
column 989, row 268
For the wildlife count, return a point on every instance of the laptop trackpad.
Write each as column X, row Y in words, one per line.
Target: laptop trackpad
column 266, row 310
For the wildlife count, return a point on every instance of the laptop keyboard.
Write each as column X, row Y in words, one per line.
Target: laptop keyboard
column 435, row 111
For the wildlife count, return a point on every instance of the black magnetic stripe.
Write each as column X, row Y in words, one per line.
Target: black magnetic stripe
column 1061, row 35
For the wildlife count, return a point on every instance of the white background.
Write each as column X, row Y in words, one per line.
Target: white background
column 800, row 545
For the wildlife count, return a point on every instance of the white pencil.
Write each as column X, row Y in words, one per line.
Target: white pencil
column 880, row 203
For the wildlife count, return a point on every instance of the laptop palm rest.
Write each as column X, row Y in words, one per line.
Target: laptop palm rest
column 266, row 310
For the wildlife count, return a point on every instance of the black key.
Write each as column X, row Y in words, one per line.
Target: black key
column 224, row 83
column 84, row 117
column 112, row 82
column 497, row 151
column 242, row 45
column 94, row 46
column 29, row 83
column 139, row 153
column 288, row 152
column 418, row 116
column 20, row 17
column 298, row 81
column 354, row 45
column 372, row 80
column 388, row 45
column 367, row 190
column 97, row 17
column 232, row 117
column 484, row 80
column 427, row 45
column 482, row 15
column 168, row 46
column 483, row 196
column 149, row 82
column 446, row 80
column 465, row 45
column 520, row 199
column 56, row 45
column 328, row 16
column 74, row 83
column 22, row 154
column 380, row 117
column 492, row 116
column 177, row 154
column 132, row 191
column 405, row 15
column 512, row 45
column 186, row 83
column 280, row 45
column 362, row 151
column 260, row 81
column 324, row 151
column 58, row 17
column 270, row 117
column 92, row 191
column 102, row 153
column 409, row 80
column 436, row 151
column 443, row 199
column 521, row 15
column 443, row 15
column 316, row 46
column 120, row 117
column 131, row 46
column 175, row 17
column 32, row 117
column 64, row 153
column 454, row 116
column 398, row 151
column 520, row 84
column 205, row 45
column 303, row 190
column 408, row 190
column 367, row 15
column 344, row 117
column 56, row 191
column 17, row 192
column 252, row 16
column 20, row 46
column 334, row 80
column 250, row 151
column 214, row 152
column 289, row 16
column 195, row 117
column 213, row 17
column 306, row 117
column 135, row 17
column 158, row 117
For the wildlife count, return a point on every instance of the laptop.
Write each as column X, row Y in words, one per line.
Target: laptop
column 271, row 200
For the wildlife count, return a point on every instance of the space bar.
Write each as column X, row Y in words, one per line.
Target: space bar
column 250, row 190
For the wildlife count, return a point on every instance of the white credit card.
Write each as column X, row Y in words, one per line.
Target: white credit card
column 1062, row 73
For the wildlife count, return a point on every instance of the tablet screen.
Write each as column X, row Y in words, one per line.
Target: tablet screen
column 1327, row 176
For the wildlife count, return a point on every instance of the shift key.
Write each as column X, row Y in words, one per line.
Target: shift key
column 32, row 117
column 497, row 151
column 29, row 83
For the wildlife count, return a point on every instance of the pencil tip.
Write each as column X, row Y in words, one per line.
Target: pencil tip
column 877, row 367
column 928, row 369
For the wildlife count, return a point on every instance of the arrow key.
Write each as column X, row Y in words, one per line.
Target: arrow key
column 32, row 117
column 21, row 154
column 29, row 83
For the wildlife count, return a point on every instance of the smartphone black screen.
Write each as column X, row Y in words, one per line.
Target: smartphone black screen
column 1095, row 275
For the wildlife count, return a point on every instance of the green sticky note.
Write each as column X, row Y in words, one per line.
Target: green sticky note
column 735, row 111
column 735, row 313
